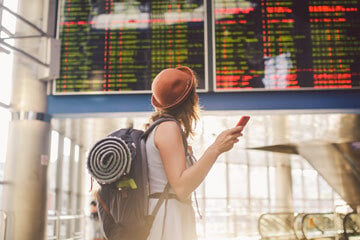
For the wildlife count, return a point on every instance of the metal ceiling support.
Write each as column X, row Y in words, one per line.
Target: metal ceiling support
column 42, row 33
column 27, row 22
column 4, row 50
column 24, row 53
column 3, row 105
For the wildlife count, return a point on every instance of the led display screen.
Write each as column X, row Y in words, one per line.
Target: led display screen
column 287, row 44
column 114, row 46
column 118, row 46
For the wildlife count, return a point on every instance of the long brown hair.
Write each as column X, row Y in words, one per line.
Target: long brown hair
column 187, row 112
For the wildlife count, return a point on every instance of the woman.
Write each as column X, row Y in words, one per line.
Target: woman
column 174, row 95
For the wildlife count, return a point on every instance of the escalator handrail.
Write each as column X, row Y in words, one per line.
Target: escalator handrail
column 347, row 216
column 274, row 214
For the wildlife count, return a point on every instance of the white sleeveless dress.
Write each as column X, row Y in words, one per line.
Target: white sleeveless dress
column 179, row 221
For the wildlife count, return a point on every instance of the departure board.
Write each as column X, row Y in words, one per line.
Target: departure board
column 118, row 46
column 286, row 44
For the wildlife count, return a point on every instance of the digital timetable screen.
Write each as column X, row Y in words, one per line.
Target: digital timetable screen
column 117, row 46
column 287, row 44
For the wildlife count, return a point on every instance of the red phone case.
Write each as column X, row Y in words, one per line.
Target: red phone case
column 243, row 121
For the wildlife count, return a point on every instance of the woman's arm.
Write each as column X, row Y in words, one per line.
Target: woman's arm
column 184, row 180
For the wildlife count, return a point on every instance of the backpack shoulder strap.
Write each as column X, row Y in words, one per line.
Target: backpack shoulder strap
column 163, row 196
column 165, row 119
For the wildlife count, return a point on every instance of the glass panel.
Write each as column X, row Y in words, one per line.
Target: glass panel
column 214, row 205
column 326, row 206
column 54, row 146
column 66, row 164
column 76, row 153
column 4, row 129
column 325, row 190
column 272, row 183
column 257, row 158
column 310, row 184
column 215, row 182
column 297, row 179
column 296, row 162
column 298, row 205
column 6, row 60
column 52, row 170
column 258, row 182
column 238, row 184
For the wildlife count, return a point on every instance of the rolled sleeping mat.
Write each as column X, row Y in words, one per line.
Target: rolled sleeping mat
column 109, row 159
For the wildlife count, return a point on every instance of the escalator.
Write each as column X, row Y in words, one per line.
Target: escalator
column 309, row 226
column 352, row 226
column 277, row 226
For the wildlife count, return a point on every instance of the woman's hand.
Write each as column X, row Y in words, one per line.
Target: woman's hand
column 226, row 140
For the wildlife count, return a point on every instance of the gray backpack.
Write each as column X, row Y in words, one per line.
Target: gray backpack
column 124, row 194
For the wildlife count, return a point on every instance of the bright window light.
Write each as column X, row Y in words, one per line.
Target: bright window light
column 67, row 146
column 4, row 128
column 8, row 21
column 54, row 146
column 77, row 152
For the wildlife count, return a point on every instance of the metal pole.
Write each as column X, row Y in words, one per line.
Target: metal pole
column 71, row 207
column 59, row 174
column 25, row 197
column 1, row 11
column 3, row 226
column 57, row 225
column 80, row 227
column 283, row 180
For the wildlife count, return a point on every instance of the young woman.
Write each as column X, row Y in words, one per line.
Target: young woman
column 174, row 95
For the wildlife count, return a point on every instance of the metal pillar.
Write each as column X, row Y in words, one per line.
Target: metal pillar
column 283, row 179
column 80, row 203
column 25, row 195
column 59, row 173
column 71, row 187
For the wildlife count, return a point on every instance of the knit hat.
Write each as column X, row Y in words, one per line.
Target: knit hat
column 171, row 87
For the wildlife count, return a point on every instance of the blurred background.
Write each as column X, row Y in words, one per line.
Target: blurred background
column 73, row 71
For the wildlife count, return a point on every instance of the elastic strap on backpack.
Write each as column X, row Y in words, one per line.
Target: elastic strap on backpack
column 102, row 203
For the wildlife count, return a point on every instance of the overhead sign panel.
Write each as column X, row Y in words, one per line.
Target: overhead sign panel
column 287, row 44
column 111, row 46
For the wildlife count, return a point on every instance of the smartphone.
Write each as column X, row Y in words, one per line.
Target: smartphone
column 243, row 121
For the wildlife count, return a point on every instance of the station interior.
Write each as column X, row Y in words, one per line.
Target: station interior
column 295, row 172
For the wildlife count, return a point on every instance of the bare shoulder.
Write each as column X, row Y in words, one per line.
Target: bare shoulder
column 168, row 126
column 167, row 132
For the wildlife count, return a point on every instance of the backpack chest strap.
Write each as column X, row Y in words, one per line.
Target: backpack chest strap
column 157, row 195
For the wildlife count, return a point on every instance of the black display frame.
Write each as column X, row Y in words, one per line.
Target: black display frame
column 205, row 71
column 244, row 90
column 209, row 65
